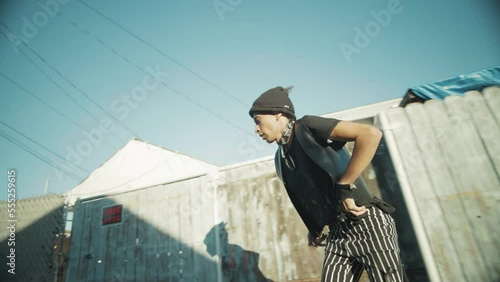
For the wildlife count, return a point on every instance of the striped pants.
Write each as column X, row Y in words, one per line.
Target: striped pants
column 369, row 243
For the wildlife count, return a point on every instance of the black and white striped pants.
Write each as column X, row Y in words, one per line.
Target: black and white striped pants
column 369, row 243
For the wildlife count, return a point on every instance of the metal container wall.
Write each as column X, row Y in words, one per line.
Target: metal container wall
column 446, row 156
column 232, row 225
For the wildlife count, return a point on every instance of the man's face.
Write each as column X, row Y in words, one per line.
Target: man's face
column 267, row 126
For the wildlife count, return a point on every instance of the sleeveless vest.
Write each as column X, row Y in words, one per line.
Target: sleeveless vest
column 334, row 163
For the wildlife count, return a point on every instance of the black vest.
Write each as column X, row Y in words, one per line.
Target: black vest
column 334, row 164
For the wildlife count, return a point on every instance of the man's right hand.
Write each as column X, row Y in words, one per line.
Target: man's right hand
column 316, row 241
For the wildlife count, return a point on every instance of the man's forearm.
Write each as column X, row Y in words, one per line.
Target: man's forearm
column 365, row 146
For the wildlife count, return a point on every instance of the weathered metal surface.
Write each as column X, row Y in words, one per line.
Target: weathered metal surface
column 261, row 219
column 154, row 242
column 234, row 225
column 449, row 152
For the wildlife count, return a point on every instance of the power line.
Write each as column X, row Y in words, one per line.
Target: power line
column 88, row 33
column 48, row 105
column 72, row 84
column 29, row 138
column 163, row 53
column 38, row 156
column 52, row 80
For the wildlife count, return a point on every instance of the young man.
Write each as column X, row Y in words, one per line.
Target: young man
column 323, row 183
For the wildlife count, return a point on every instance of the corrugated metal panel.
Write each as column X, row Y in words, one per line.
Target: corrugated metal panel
column 160, row 236
column 237, row 225
column 448, row 153
column 261, row 219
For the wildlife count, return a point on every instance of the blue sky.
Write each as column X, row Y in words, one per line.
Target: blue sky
column 210, row 60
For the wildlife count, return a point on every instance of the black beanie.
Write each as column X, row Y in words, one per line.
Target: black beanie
column 274, row 100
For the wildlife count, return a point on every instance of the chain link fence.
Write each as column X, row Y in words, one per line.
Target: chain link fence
column 29, row 240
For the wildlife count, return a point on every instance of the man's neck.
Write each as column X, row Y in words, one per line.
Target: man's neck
column 286, row 136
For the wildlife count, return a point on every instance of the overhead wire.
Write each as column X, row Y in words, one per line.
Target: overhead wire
column 39, row 156
column 125, row 59
column 163, row 53
column 50, row 106
column 50, row 78
column 44, row 147
column 183, row 95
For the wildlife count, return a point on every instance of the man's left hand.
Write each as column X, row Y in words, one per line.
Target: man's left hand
column 348, row 205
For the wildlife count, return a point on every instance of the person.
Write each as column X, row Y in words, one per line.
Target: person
column 323, row 183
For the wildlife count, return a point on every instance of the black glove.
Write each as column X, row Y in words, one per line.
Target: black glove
column 361, row 198
column 344, row 191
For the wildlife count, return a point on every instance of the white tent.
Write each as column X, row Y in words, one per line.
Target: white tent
column 137, row 165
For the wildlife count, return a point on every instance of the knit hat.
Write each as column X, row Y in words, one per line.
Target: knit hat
column 274, row 100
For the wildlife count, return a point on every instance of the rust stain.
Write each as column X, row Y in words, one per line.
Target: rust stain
column 476, row 195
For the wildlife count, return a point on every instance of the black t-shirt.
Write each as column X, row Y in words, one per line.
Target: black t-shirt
column 321, row 128
column 309, row 187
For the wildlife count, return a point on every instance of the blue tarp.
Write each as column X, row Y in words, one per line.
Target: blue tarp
column 458, row 85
